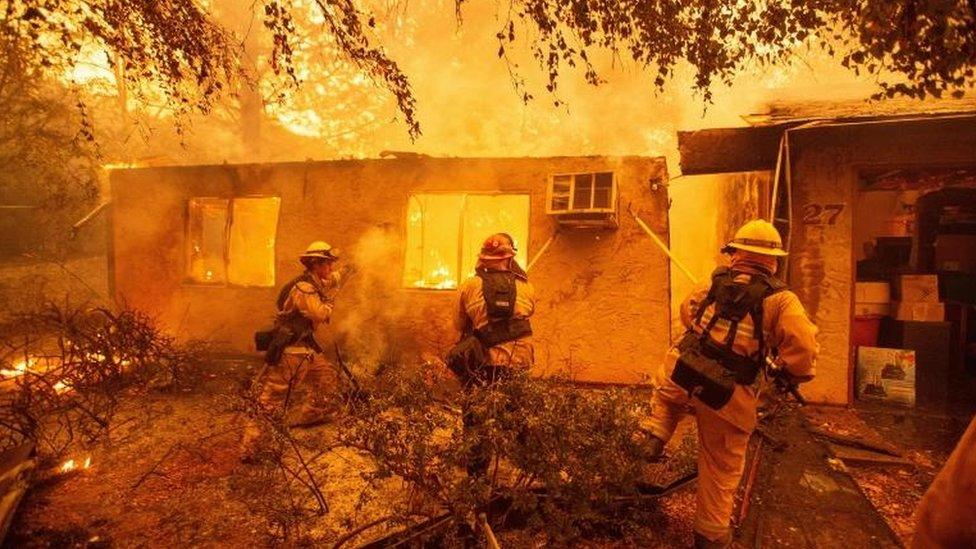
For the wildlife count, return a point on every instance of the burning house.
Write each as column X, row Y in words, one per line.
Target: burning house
column 205, row 249
column 877, row 204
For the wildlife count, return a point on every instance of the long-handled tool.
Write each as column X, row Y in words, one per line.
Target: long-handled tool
column 660, row 244
column 541, row 251
column 345, row 369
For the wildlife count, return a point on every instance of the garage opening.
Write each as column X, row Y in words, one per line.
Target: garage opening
column 915, row 295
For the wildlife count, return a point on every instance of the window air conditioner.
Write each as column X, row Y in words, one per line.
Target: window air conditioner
column 586, row 200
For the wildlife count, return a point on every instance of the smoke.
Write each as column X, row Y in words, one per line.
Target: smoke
column 371, row 307
column 469, row 107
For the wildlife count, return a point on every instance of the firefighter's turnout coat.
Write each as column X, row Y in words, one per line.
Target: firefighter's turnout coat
column 304, row 307
column 724, row 433
column 473, row 316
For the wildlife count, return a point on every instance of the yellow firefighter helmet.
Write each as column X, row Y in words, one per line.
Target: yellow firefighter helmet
column 757, row 236
column 320, row 250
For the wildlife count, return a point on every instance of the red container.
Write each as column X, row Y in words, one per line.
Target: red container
column 866, row 330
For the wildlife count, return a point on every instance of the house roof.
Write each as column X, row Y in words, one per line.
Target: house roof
column 755, row 147
column 789, row 112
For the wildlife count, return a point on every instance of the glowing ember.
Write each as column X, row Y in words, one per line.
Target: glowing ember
column 61, row 387
column 19, row 368
column 71, row 465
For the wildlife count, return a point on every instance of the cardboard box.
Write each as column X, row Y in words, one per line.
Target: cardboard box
column 872, row 292
column 923, row 311
column 869, row 310
column 886, row 375
column 955, row 252
column 932, row 344
column 918, row 288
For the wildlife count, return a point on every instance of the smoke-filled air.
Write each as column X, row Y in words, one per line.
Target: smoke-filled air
column 484, row 273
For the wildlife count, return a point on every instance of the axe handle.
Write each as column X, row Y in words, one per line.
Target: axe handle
column 664, row 248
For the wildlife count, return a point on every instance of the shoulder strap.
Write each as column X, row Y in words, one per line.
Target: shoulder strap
column 287, row 288
column 718, row 275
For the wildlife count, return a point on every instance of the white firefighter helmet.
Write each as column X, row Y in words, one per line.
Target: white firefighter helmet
column 320, row 250
column 757, row 236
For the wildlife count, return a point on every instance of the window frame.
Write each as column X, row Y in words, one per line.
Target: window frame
column 188, row 280
column 572, row 207
column 460, row 225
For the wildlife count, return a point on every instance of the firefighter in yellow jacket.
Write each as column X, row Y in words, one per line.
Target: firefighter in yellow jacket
column 947, row 513
column 294, row 356
column 493, row 313
column 743, row 315
column 496, row 303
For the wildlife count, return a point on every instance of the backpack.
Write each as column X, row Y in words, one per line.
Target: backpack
column 469, row 356
column 289, row 329
column 709, row 370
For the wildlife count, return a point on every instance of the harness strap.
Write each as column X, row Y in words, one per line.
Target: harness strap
column 744, row 299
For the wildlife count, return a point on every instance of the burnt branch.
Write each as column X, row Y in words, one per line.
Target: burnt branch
column 915, row 49
column 65, row 370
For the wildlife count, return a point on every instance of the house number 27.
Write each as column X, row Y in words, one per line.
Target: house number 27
column 821, row 214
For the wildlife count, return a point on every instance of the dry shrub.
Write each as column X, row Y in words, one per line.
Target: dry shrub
column 65, row 370
column 563, row 457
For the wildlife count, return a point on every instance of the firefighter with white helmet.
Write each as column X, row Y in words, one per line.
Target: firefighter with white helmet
column 743, row 315
column 294, row 356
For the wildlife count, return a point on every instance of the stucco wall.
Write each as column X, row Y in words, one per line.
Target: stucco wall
column 826, row 164
column 706, row 210
column 603, row 298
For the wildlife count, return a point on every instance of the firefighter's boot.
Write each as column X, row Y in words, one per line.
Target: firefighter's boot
column 701, row 542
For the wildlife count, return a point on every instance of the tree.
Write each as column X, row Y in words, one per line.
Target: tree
column 914, row 48
column 175, row 48
column 46, row 150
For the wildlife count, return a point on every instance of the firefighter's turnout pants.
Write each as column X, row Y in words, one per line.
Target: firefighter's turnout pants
column 722, row 443
column 300, row 370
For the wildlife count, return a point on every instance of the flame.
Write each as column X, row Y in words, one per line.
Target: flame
column 19, row 368
column 439, row 278
column 71, row 465
column 92, row 68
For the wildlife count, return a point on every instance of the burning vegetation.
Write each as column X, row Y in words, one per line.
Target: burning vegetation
column 121, row 429
column 67, row 368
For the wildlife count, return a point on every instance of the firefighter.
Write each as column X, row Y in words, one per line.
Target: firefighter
column 294, row 356
column 743, row 315
column 946, row 516
column 493, row 313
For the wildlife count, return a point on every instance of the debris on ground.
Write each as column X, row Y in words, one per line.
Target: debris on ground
column 891, row 453
column 802, row 500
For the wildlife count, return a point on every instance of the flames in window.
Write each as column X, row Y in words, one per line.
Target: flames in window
column 445, row 233
column 232, row 241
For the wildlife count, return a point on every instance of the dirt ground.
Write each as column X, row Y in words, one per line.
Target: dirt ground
column 170, row 474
